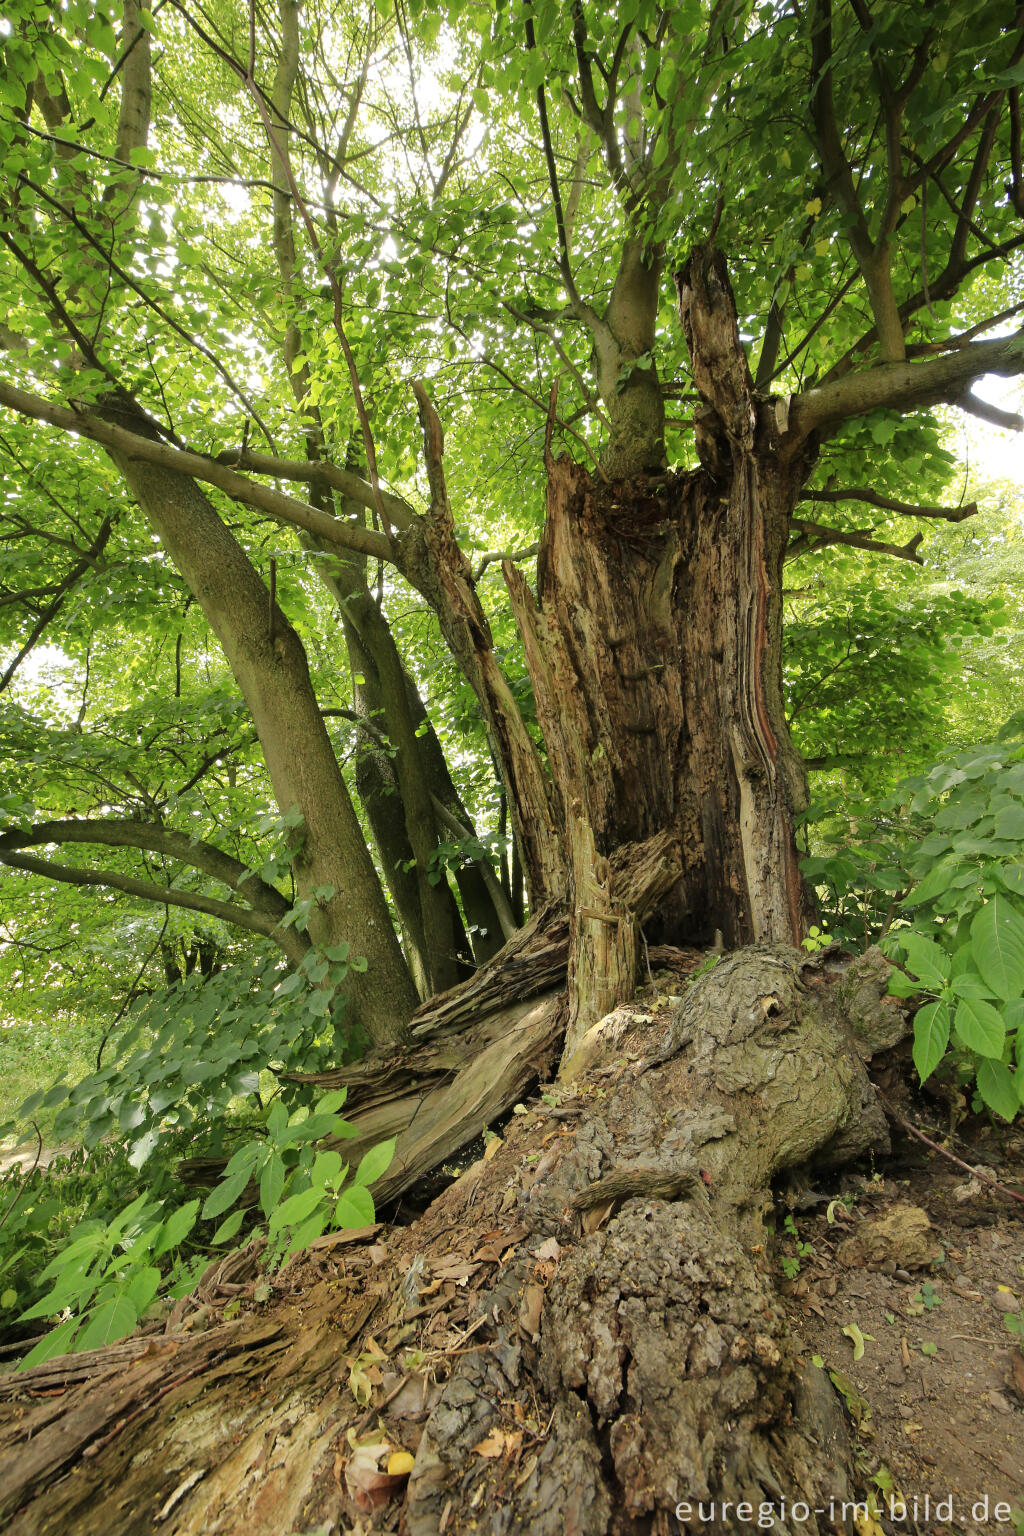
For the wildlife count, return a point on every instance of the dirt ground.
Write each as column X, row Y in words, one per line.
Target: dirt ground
column 911, row 1321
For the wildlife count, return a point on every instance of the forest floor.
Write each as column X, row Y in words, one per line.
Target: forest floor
column 907, row 1293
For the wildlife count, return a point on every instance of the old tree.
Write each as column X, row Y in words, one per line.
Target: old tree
column 682, row 288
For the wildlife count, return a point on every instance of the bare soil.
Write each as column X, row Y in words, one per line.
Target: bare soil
column 937, row 1397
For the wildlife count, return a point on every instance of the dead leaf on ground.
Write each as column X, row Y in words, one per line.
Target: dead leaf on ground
column 367, row 1486
column 500, row 1442
column 530, row 1310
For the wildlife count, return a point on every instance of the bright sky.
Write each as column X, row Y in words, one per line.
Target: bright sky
column 991, row 453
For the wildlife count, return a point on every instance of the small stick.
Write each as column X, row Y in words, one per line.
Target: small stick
column 983, row 1178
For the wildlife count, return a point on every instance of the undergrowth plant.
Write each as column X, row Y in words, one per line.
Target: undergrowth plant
column 935, row 873
column 203, row 1067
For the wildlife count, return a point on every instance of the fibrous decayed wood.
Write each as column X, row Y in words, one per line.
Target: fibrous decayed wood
column 595, row 1306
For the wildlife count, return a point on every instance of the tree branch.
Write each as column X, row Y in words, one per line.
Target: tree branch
column 985, row 411
column 183, row 462
column 52, row 608
column 240, row 917
column 890, row 503
column 902, row 385
column 816, row 536
column 268, row 906
column 316, row 471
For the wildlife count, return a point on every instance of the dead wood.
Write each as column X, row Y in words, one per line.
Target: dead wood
column 593, row 1312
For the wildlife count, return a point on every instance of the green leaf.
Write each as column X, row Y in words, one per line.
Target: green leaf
column 272, row 1184
column 999, row 1088
column 57, row 1342
column 142, row 1287
column 1010, row 822
column 295, row 1209
column 997, row 940
column 375, row 1163
column 980, row 1027
column 227, row 1229
column 925, row 958
column 225, row 1195
column 114, row 1320
column 931, row 1036
column 176, row 1228
column 355, row 1208
column 326, row 1168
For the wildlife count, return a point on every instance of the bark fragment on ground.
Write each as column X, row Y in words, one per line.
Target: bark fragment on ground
column 593, row 1308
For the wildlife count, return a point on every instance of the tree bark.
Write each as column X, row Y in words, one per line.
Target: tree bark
column 654, row 646
column 643, row 1352
column 269, row 664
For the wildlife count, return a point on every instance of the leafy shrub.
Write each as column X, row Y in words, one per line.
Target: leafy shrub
column 939, row 879
column 199, row 1067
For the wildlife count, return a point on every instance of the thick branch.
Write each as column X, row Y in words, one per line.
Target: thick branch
column 1011, row 421
column 240, row 917
column 819, row 536
column 321, row 471
column 902, row 386
column 155, row 838
column 181, row 462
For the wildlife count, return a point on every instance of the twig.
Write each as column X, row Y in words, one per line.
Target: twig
column 975, row 1173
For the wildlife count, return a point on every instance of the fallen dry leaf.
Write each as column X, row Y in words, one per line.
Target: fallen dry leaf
column 530, row 1309
column 549, row 1249
column 369, row 1487
column 500, row 1442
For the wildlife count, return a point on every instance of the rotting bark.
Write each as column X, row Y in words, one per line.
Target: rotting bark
column 641, row 1360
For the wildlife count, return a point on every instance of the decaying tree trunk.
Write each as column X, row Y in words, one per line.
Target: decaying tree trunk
column 594, row 1304
column 654, row 646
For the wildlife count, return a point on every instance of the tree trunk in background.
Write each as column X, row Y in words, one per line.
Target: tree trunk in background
column 269, row 664
column 399, row 796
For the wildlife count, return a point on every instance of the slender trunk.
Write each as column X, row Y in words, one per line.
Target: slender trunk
column 333, row 868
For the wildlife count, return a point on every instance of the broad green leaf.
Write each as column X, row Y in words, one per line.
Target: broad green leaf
column 57, row 1342
column 295, row 1210
column 227, row 1229
column 272, row 1184
column 931, row 1036
column 114, row 1320
column 999, row 1088
column 997, row 939
column 225, row 1194
column 326, row 1168
column 176, row 1228
column 980, row 1027
column 355, row 1207
column 925, row 958
column 375, row 1163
